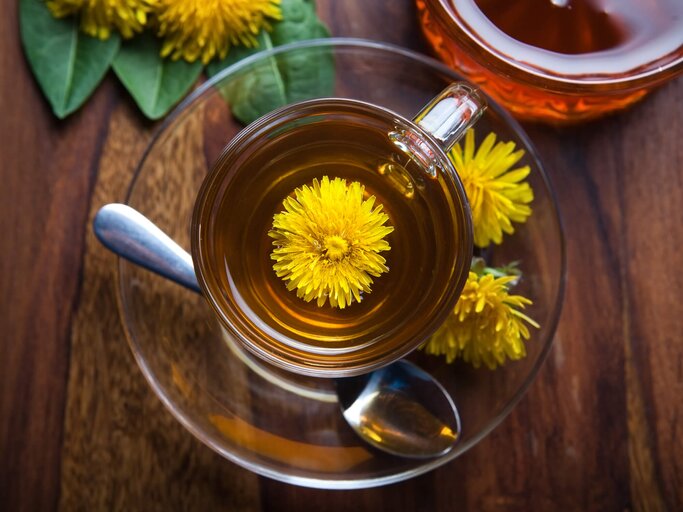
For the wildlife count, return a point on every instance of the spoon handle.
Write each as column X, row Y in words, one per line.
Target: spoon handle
column 133, row 236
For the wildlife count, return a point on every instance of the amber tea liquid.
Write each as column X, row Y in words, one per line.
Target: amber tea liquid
column 427, row 238
column 556, row 59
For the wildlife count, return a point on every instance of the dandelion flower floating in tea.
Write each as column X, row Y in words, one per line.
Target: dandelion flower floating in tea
column 328, row 242
column 486, row 325
column 204, row 29
column 99, row 17
column 498, row 196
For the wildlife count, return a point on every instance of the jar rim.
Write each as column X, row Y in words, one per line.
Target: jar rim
column 650, row 74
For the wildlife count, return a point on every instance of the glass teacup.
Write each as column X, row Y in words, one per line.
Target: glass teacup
column 399, row 164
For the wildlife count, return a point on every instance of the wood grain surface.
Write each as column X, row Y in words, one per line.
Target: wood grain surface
column 601, row 428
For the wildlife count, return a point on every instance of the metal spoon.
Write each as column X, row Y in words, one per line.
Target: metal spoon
column 399, row 409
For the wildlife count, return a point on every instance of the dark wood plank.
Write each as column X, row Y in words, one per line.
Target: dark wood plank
column 390, row 22
column 47, row 173
column 651, row 195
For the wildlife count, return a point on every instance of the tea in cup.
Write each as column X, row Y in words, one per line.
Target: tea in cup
column 333, row 236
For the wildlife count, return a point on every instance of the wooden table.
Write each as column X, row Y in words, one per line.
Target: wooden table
column 600, row 429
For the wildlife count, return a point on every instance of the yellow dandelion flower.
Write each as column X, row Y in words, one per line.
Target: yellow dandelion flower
column 498, row 196
column 206, row 28
column 327, row 242
column 99, row 17
column 486, row 325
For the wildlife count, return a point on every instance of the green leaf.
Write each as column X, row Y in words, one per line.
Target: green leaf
column 156, row 84
column 67, row 63
column 281, row 79
column 259, row 90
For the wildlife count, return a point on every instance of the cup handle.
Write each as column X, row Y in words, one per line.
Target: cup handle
column 445, row 118
column 451, row 113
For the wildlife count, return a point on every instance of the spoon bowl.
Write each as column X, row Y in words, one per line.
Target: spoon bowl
column 401, row 410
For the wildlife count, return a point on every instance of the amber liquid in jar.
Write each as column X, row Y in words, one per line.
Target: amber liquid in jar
column 559, row 60
column 426, row 240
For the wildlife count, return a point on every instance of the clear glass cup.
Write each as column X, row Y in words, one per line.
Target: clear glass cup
column 401, row 163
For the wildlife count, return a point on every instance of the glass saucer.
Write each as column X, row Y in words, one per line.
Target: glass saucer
column 273, row 423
